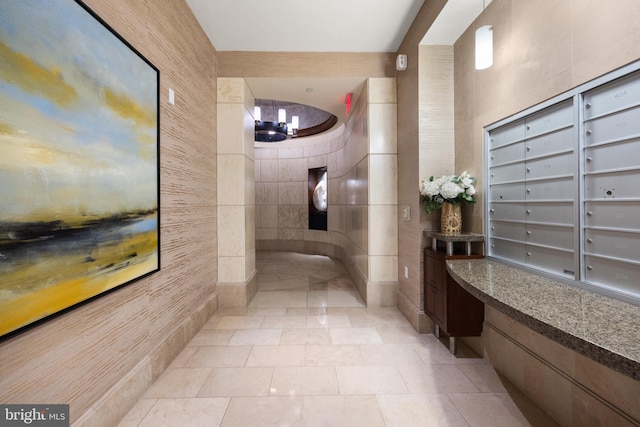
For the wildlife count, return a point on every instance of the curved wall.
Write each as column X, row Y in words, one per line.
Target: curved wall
column 362, row 214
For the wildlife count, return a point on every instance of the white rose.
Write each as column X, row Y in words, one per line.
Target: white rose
column 440, row 181
column 451, row 190
column 430, row 188
column 471, row 190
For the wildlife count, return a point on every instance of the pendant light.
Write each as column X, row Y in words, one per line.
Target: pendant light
column 484, row 46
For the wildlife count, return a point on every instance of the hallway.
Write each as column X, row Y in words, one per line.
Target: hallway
column 307, row 352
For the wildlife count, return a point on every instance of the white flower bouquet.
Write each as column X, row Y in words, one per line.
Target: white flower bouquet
column 448, row 188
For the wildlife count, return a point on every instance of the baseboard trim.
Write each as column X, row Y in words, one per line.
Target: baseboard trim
column 574, row 382
column 121, row 398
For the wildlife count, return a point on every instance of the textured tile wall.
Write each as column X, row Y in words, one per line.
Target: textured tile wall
column 78, row 357
column 541, row 49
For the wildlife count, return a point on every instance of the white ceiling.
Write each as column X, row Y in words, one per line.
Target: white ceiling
column 322, row 26
column 306, row 25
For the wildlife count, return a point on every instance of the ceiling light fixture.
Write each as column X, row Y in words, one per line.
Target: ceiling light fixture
column 270, row 131
column 484, row 46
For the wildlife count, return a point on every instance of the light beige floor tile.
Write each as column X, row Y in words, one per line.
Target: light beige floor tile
column 266, row 277
column 219, row 357
column 380, row 318
column 390, row 354
column 192, row 412
column 230, row 311
column 179, row 382
column 266, row 311
column 256, row 337
column 305, row 336
column 239, row 322
column 344, row 298
column 284, row 322
column 279, row 299
column 140, row 410
column 433, row 352
column 342, row 411
column 237, row 382
column 436, row 379
column 398, row 334
column 318, row 299
column 303, row 381
column 370, row 380
column 277, row 355
column 293, row 283
column 483, row 376
column 296, row 272
column 333, row 355
column 264, row 412
column 328, row 362
column 355, row 336
column 348, row 311
column 211, row 323
column 489, row 410
column 307, row 311
column 183, row 357
column 331, row 321
column 407, row 410
column 211, row 337
column 328, row 273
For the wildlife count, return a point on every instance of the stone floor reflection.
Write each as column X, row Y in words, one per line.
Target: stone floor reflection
column 307, row 352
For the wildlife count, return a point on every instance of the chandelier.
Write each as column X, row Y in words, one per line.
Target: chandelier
column 271, row 131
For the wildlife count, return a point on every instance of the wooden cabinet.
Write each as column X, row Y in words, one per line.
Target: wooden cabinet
column 454, row 311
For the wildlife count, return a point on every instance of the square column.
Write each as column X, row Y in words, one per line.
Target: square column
column 236, row 193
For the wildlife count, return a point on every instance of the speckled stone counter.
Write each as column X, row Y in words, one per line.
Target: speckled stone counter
column 598, row 327
column 450, row 239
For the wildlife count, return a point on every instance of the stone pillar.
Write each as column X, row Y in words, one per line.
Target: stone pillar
column 382, row 285
column 237, row 282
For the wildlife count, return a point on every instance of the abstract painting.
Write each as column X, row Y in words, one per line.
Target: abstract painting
column 79, row 161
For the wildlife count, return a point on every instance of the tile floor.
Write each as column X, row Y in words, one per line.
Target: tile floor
column 307, row 352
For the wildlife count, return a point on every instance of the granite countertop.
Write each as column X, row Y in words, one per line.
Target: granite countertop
column 601, row 328
column 459, row 237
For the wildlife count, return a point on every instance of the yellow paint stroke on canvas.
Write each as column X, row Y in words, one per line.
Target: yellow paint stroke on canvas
column 26, row 300
column 29, row 308
column 127, row 108
column 6, row 129
column 20, row 70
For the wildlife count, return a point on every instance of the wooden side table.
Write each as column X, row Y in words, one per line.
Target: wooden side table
column 454, row 311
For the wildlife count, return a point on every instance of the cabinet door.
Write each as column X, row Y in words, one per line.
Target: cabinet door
column 434, row 273
column 429, row 282
column 439, row 309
